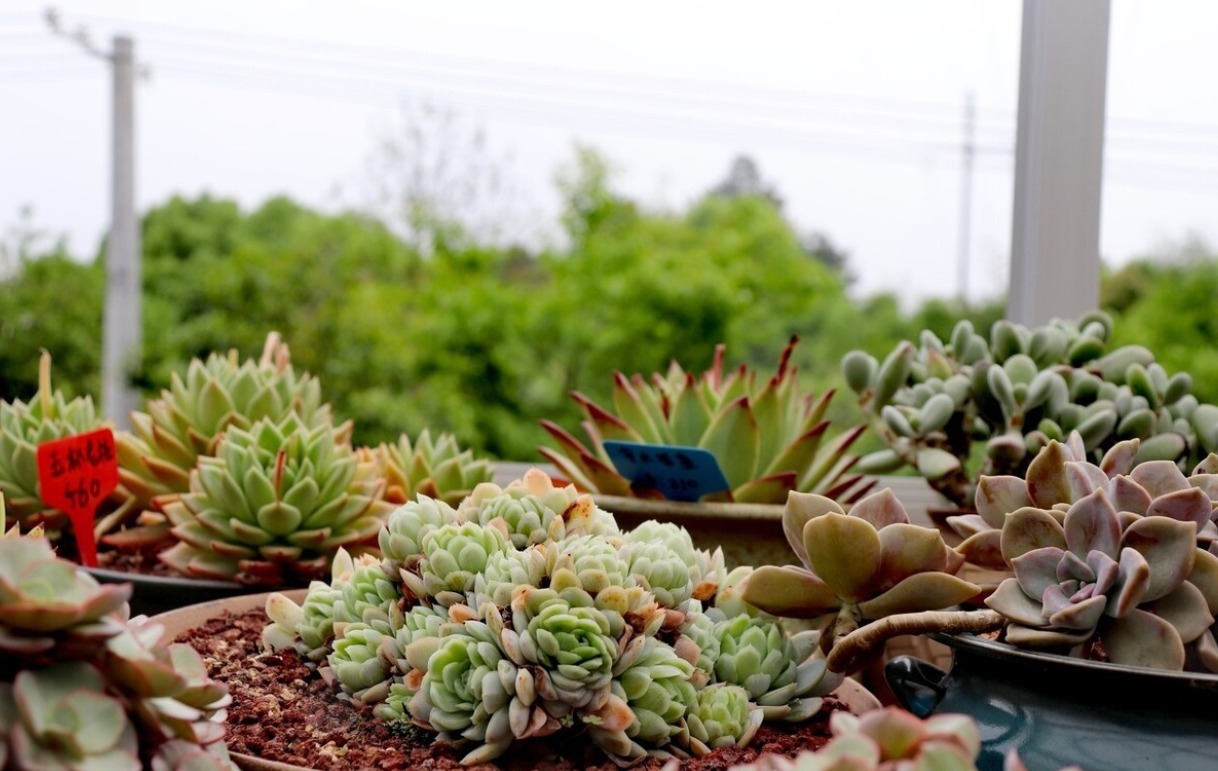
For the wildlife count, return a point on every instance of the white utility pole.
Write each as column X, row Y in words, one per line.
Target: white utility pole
column 1059, row 160
column 121, row 322
column 968, row 150
column 121, row 337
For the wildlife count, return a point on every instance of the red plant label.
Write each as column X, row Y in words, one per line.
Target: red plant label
column 75, row 474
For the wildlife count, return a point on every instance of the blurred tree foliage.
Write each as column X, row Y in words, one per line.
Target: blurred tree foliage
column 1169, row 303
column 485, row 341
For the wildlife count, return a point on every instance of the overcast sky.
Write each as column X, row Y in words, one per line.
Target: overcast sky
column 852, row 110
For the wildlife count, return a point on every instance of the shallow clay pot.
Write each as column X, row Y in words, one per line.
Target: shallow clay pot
column 1057, row 711
column 748, row 533
column 156, row 594
column 857, row 698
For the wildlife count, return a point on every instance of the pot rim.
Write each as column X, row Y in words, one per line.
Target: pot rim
column 148, row 579
column 998, row 650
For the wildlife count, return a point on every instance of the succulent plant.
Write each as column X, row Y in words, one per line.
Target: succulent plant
column 1017, row 391
column 273, row 505
column 778, row 671
column 401, row 537
column 438, row 469
column 491, row 639
column 723, row 716
column 190, row 417
column 83, row 687
column 1092, row 578
column 858, row 567
column 767, row 438
column 887, row 740
column 24, row 426
column 534, row 510
column 1061, row 475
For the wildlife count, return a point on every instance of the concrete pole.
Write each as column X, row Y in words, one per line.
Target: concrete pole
column 968, row 150
column 121, row 332
column 1059, row 160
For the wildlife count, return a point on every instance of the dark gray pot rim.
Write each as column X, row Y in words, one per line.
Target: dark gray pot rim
column 146, row 579
column 1002, row 651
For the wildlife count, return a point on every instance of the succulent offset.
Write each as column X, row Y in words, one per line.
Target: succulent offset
column 82, row 686
column 891, row 739
column 857, row 567
column 274, row 505
column 1017, row 391
column 189, row 419
column 768, row 437
column 524, row 612
column 24, row 426
column 438, row 469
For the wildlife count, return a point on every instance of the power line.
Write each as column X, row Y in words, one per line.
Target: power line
column 484, row 67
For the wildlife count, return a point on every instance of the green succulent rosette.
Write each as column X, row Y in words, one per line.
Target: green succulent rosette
column 453, row 557
column 23, row 426
column 401, row 540
column 359, row 663
column 722, row 715
column 190, row 417
column 438, row 468
column 274, row 505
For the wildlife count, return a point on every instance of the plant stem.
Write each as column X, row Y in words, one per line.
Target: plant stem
column 852, row 650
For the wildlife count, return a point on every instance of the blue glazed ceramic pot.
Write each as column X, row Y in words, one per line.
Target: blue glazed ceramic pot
column 1057, row 711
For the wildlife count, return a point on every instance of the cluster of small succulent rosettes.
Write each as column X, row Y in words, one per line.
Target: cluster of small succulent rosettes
column 891, row 740
column 274, row 505
column 188, row 421
column 857, row 567
column 1108, row 563
column 24, row 426
column 1017, row 391
column 768, row 436
column 525, row 611
column 82, row 686
column 437, row 468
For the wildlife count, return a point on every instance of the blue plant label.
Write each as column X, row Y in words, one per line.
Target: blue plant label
column 678, row 473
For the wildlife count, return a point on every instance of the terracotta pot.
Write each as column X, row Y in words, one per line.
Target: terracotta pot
column 152, row 595
column 857, row 698
column 749, row 533
column 1057, row 711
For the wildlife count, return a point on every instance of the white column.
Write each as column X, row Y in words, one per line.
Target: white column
column 1059, row 158
column 121, row 332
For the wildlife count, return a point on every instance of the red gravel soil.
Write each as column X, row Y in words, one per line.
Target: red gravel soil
column 283, row 711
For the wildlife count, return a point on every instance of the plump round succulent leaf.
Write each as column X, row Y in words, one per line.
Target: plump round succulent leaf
column 1205, row 578
column 983, row 549
column 800, row 508
column 845, row 552
column 1012, row 601
column 997, row 496
column 790, row 592
column 1028, row 529
column 921, row 591
column 1188, row 505
column 880, row 509
column 907, row 549
column 1159, row 477
column 1186, row 610
column 1168, row 547
column 1141, row 639
column 1091, row 525
column 1047, row 484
